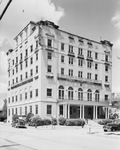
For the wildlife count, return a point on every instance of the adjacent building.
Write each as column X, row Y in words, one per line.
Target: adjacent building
column 52, row 72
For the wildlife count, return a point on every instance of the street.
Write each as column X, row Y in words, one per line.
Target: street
column 58, row 138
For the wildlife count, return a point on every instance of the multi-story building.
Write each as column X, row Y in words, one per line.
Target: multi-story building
column 52, row 72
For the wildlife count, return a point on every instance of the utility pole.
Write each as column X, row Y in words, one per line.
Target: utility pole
column 5, row 9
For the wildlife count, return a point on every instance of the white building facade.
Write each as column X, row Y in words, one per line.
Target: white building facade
column 52, row 72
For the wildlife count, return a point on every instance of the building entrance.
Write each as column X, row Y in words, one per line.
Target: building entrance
column 88, row 112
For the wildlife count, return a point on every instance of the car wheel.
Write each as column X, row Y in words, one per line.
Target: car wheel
column 105, row 130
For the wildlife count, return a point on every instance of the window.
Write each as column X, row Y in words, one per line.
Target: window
column 89, row 64
column 49, row 43
column 30, row 109
column 106, row 97
column 80, row 74
column 13, row 61
column 13, row 71
column 21, row 56
column 49, row 109
column 31, row 48
column 31, row 60
column 61, row 92
column 49, row 92
column 20, row 77
column 71, row 60
column 80, row 62
column 36, row 92
column 9, row 100
column 62, row 71
column 88, row 75
column 96, row 66
column 96, row 77
column 9, row 112
column 80, row 94
column 37, row 44
column 26, row 32
column 20, row 110
column 16, row 69
column 89, row 95
column 70, row 72
column 12, row 111
column 9, row 73
column 36, row 69
column 97, row 96
column 106, row 57
column 8, row 83
column 106, row 78
column 62, row 46
column 89, row 53
column 36, row 109
column 16, row 111
column 49, row 69
column 20, row 97
column 12, row 98
column 80, row 51
column 36, row 56
column 25, row 95
column 26, row 63
column 96, row 55
column 61, row 110
column 16, row 79
column 70, row 93
column 21, row 37
column 26, row 52
column 30, row 94
column 26, row 75
column 20, row 66
column 31, row 72
column 25, row 110
column 70, row 49
column 16, row 60
column 49, row 55
column 62, row 59
column 106, row 68
column 13, row 81
column 16, row 98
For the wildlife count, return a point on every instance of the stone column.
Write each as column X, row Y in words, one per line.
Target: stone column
column 106, row 113
column 65, row 110
column 80, row 111
column 68, row 111
column 83, row 111
column 96, row 112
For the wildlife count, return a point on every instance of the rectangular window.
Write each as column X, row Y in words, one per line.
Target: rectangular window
column 21, row 56
column 13, row 81
column 26, row 52
column 16, row 60
column 13, row 71
column 36, row 109
column 96, row 66
column 49, row 43
column 61, row 110
column 49, row 55
column 16, row 111
column 96, row 77
column 9, row 112
column 31, row 72
column 30, row 109
column 49, row 68
column 70, row 72
column 16, row 98
column 36, row 92
column 89, row 64
column 36, row 56
column 25, row 95
column 62, row 71
column 70, row 49
column 16, row 79
column 89, row 53
column 16, row 69
column 106, row 57
column 26, row 63
column 96, row 55
column 13, row 61
column 49, row 109
column 9, row 100
column 20, row 97
column 36, row 69
column 37, row 44
column 12, row 98
column 20, row 66
column 71, row 60
column 106, row 68
column 26, row 75
column 30, row 94
column 31, row 48
column 12, row 111
column 25, row 110
column 80, row 51
column 80, row 74
column 106, row 97
column 20, row 110
column 80, row 62
column 62, row 59
column 88, row 75
column 31, row 60
column 20, row 77
column 62, row 46
column 106, row 78
column 49, row 92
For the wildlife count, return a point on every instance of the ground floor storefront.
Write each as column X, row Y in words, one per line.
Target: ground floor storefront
column 73, row 111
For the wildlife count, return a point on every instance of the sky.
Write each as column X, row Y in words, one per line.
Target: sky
column 93, row 19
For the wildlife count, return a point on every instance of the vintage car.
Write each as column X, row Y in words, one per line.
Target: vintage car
column 115, row 126
column 19, row 123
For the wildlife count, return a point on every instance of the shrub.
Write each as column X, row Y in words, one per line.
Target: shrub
column 70, row 123
column 105, row 121
column 29, row 115
column 36, row 120
column 14, row 117
column 46, row 121
column 61, row 120
column 54, row 121
column 77, row 122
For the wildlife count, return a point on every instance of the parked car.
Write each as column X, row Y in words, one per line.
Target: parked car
column 115, row 126
column 19, row 123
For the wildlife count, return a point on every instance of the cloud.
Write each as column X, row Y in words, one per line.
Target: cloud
column 116, row 19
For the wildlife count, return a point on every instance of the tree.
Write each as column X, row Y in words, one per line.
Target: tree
column 29, row 115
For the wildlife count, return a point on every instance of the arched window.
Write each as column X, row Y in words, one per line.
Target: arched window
column 70, row 93
column 80, row 94
column 89, row 95
column 97, row 96
column 61, row 92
